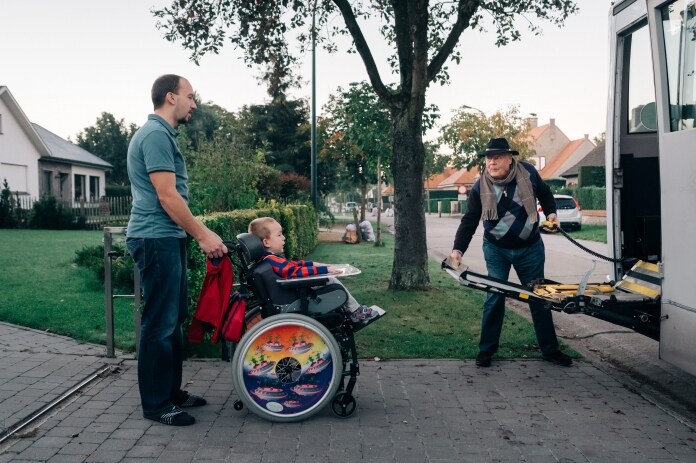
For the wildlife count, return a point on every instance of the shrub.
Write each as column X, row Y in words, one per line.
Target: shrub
column 8, row 218
column 92, row 257
column 556, row 184
column 117, row 190
column 49, row 214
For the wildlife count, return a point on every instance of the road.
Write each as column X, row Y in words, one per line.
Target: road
column 612, row 348
column 565, row 262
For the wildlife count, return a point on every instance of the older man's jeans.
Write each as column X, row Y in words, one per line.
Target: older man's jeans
column 162, row 266
column 529, row 265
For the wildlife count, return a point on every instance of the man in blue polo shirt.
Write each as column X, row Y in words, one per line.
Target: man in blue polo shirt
column 156, row 238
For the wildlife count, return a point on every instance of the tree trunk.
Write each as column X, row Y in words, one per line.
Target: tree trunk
column 378, row 232
column 410, row 268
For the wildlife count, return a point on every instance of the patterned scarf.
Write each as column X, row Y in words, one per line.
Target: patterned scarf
column 519, row 174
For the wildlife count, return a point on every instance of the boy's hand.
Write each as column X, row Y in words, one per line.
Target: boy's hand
column 335, row 270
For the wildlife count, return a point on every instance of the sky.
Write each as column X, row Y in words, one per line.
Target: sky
column 66, row 62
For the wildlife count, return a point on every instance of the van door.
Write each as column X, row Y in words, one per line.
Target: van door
column 674, row 61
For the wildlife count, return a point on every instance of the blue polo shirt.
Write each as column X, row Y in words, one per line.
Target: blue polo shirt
column 153, row 148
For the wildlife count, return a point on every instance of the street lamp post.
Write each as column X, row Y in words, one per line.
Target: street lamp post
column 471, row 107
column 313, row 160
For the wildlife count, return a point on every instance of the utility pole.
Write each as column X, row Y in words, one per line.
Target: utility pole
column 313, row 179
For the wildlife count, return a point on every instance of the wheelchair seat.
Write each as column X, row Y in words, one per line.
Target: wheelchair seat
column 314, row 297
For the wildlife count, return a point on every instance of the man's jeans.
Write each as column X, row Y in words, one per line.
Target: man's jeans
column 162, row 266
column 529, row 265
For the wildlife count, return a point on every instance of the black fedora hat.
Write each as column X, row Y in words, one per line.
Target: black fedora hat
column 498, row 146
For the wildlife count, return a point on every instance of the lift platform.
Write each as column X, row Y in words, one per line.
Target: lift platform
column 633, row 302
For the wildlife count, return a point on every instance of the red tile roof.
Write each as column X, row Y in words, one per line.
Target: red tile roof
column 434, row 180
column 551, row 168
column 460, row 177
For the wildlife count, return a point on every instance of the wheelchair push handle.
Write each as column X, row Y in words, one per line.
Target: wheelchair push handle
column 231, row 246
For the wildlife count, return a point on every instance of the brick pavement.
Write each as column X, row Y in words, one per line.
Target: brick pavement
column 408, row 411
column 36, row 368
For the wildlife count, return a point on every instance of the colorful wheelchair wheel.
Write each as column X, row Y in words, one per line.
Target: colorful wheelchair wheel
column 287, row 368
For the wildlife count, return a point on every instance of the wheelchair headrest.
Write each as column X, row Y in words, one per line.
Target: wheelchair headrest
column 252, row 247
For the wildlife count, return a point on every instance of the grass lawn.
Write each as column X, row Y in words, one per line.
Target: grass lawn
column 43, row 289
column 591, row 232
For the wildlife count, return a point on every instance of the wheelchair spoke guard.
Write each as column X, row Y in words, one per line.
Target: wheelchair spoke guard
column 287, row 368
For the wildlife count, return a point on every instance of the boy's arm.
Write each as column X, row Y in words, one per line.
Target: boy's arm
column 289, row 269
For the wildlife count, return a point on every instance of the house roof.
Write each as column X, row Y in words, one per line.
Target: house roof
column 551, row 169
column 434, row 180
column 63, row 150
column 460, row 177
column 23, row 121
column 537, row 131
column 593, row 158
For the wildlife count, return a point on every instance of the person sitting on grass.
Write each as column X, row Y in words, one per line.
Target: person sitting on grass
column 271, row 234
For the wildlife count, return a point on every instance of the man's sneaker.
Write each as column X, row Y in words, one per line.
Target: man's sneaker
column 559, row 358
column 186, row 399
column 483, row 359
column 173, row 417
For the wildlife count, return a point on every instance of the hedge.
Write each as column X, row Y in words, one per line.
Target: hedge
column 592, row 176
column 592, row 197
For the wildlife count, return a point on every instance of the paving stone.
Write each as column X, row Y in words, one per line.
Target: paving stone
column 408, row 411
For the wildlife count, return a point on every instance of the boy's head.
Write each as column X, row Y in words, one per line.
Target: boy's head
column 270, row 232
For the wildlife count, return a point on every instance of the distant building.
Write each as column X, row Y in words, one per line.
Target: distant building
column 596, row 157
column 37, row 162
column 555, row 152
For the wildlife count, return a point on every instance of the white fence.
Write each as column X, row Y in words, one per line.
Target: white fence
column 108, row 209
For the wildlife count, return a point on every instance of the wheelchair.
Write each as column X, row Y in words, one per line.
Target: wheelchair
column 297, row 354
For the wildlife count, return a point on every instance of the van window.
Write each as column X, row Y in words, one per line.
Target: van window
column 641, row 91
column 678, row 24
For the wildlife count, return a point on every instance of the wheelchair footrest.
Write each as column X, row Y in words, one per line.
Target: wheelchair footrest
column 380, row 313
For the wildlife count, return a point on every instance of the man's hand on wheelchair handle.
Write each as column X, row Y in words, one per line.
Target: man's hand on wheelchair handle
column 211, row 244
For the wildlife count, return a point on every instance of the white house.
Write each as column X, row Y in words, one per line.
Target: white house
column 36, row 162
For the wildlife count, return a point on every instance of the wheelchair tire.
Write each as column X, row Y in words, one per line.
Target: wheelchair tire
column 287, row 368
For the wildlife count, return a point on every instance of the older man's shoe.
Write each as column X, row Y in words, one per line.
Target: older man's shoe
column 559, row 358
column 483, row 359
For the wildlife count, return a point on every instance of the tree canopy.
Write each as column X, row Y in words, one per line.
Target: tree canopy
column 108, row 138
column 423, row 37
column 468, row 133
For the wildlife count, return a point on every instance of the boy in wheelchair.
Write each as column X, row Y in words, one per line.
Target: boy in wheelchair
column 270, row 232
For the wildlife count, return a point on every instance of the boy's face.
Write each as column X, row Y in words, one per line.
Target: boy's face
column 275, row 242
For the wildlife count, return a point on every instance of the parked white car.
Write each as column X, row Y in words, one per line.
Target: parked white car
column 568, row 211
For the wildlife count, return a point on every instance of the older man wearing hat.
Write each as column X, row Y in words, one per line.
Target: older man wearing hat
column 505, row 198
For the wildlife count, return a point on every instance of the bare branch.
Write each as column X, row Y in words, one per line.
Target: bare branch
column 465, row 11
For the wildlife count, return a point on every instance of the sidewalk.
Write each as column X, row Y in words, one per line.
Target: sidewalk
column 408, row 411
